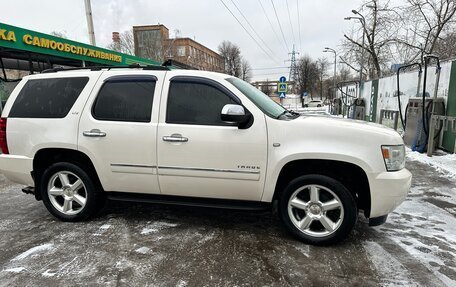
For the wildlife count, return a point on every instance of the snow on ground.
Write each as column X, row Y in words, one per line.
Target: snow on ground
column 386, row 263
column 156, row 227
column 34, row 250
column 445, row 164
column 143, row 250
column 15, row 269
column 425, row 224
column 425, row 233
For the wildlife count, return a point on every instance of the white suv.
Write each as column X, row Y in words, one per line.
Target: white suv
column 198, row 138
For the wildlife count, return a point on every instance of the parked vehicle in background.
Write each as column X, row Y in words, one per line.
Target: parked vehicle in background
column 314, row 104
column 196, row 138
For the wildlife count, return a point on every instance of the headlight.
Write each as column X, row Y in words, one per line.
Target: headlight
column 394, row 157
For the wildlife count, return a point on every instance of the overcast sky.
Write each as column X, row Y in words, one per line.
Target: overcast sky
column 207, row 21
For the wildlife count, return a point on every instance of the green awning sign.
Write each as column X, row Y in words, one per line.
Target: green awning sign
column 26, row 40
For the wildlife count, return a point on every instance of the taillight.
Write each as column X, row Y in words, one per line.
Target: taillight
column 3, row 143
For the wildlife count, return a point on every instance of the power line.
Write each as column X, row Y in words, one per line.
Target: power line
column 272, row 27
column 251, row 27
column 269, row 74
column 291, row 25
column 299, row 26
column 280, row 26
column 270, row 68
column 247, row 31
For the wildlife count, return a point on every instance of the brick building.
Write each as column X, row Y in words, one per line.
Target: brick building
column 153, row 42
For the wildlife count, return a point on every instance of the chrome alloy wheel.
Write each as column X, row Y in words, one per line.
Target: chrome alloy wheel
column 315, row 210
column 67, row 192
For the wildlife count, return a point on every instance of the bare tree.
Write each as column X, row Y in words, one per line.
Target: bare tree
column 266, row 88
column 378, row 26
column 322, row 66
column 232, row 55
column 343, row 75
column 426, row 24
column 308, row 75
column 246, row 70
column 126, row 43
column 446, row 46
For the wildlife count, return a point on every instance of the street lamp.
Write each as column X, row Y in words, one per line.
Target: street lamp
column 363, row 23
column 326, row 50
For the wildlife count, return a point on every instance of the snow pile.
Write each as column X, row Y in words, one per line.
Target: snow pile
column 445, row 164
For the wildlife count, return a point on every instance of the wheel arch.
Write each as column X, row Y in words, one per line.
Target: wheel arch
column 47, row 156
column 351, row 175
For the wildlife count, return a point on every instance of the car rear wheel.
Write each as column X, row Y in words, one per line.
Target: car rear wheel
column 318, row 106
column 68, row 192
column 318, row 209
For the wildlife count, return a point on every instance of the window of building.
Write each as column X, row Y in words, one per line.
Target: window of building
column 196, row 104
column 128, row 100
column 47, row 98
column 180, row 51
column 169, row 53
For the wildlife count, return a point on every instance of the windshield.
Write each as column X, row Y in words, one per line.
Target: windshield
column 263, row 102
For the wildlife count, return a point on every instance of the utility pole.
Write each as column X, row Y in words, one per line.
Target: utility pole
column 293, row 68
column 326, row 50
column 88, row 8
column 363, row 23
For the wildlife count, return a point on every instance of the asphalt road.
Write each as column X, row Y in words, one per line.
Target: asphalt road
column 152, row 245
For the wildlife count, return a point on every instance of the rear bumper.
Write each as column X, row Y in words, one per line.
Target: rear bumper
column 17, row 168
column 388, row 190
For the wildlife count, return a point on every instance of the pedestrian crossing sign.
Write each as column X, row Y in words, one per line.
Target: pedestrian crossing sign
column 282, row 87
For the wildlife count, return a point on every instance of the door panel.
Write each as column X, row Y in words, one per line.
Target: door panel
column 125, row 157
column 216, row 161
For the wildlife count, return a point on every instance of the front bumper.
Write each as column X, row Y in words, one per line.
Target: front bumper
column 17, row 168
column 388, row 190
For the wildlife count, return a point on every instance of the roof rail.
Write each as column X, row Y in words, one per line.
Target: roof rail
column 177, row 64
column 98, row 68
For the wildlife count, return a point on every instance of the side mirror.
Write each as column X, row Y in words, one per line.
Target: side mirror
column 234, row 114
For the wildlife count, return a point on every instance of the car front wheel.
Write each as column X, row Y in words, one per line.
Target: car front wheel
column 68, row 192
column 318, row 209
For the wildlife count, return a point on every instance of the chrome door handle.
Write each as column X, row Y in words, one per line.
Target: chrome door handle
column 175, row 138
column 94, row 133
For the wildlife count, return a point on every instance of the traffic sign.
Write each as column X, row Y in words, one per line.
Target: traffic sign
column 282, row 95
column 282, row 79
column 282, row 87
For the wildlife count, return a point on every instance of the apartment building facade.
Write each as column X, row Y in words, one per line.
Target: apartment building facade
column 153, row 42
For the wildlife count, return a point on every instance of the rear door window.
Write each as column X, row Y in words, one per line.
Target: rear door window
column 126, row 99
column 47, row 98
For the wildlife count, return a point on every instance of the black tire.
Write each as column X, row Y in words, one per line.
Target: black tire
column 306, row 106
column 318, row 106
column 347, row 216
column 93, row 198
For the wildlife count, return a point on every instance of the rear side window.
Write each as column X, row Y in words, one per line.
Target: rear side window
column 196, row 104
column 47, row 98
column 126, row 100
